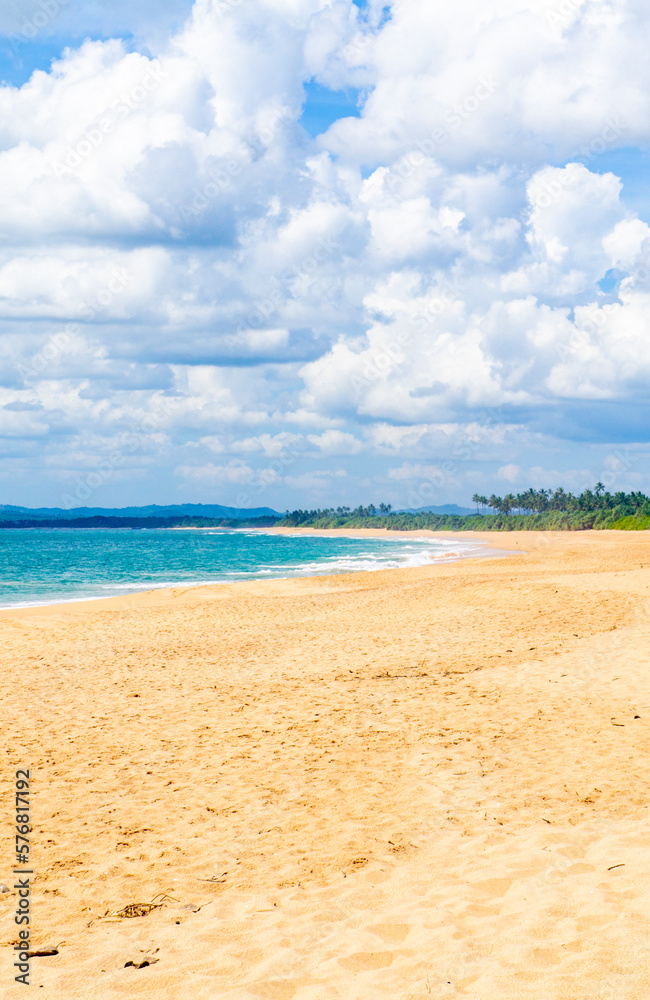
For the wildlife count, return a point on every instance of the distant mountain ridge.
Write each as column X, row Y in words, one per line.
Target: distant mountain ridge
column 11, row 513
column 448, row 508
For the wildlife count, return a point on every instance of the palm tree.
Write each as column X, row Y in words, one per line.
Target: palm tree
column 476, row 499
column 525, row 501
column 559, row 499
column 509, row 501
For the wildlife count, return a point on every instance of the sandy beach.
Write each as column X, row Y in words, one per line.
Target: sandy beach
column 411, row 784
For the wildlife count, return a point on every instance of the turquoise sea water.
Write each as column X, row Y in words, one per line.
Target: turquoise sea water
column 48, row 565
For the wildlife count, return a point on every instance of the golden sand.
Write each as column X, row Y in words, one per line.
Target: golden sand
column 413, row 783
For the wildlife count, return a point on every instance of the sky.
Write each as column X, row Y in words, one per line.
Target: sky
column 305, row 253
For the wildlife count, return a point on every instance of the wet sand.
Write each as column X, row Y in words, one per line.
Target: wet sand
column 429, row 782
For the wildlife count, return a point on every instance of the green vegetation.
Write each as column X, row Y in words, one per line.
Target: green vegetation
column 534, row 510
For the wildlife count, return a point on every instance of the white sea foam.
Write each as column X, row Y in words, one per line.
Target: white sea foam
column 390, row 554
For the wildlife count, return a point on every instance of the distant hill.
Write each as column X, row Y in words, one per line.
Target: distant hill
column 448, row 508
column 9, row 513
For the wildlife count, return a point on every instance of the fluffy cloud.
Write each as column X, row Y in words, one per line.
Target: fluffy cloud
column 333, row 442
column 235, row 472
column 181, row 263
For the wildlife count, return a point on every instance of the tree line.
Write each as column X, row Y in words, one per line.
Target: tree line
column 538, row 510
column 539, row 501
column 534, row 509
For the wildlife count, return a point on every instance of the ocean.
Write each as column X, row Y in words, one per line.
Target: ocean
column 52, row 565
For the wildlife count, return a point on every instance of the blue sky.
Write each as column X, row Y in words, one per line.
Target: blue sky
column 306, row 253
column 323, row 107
column 632, row 165
column 21, row 55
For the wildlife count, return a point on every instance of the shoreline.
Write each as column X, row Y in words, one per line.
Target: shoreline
column 505, row 543
column 484, row 536
column 166, row 592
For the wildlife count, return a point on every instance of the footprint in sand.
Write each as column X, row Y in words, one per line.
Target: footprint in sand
column 391, row 933
column 365, row 960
